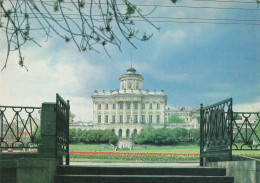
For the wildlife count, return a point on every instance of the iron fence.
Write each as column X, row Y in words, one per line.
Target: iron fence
column 18, row 128
column 62, row 127
column 246, row 131
column 216, row 131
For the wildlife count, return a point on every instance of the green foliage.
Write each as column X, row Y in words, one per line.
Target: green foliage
column 92, row 136
column 181, row 133
column 175, row 119
column 195, row 135
column 160, row 136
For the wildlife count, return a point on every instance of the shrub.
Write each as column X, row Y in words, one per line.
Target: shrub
column 98, row 136
column 195, row 135
column 160, row 136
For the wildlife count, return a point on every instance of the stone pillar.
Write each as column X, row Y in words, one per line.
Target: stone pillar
column 103, row 105
column 47, row 147
column 139, row 112
column 117, row 117
column 162, row 112
column 132, row 111
column 110, row 106
column 124, row 112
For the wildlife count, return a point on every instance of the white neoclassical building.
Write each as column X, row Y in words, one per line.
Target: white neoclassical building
column 128, row 110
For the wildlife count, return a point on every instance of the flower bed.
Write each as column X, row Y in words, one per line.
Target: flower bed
column 143, row 157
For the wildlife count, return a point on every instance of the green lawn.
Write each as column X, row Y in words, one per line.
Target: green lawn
column 188, row 148
column 179, row 149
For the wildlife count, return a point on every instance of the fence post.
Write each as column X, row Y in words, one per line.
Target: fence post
column 1, row 129
column 201, row 134
column 47, row 147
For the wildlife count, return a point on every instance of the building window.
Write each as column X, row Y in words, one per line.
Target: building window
column 135, row 106
column 129, row 85
column 137, row 85
column 121, row 106
column 158, row 106
column 128, row 105
column 150, row 119
column 99, row 118
column 120, row 132
column 143, row 118
column 158, row 118
column 106, row 118
column 99, row 106
column 114, row 118
column 127, row 133
column 143, row 106
column 113, row 131
column 135, row 132
column 187, row 119
column 106, row 106
column 135, row 118
column 121, row 118
column 128, row 118
column 150, row 106
column 114, row 106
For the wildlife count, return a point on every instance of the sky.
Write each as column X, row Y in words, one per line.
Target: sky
column 193, row 62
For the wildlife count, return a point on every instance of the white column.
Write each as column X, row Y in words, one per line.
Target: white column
column 103, row 113
column 110, row 105
column 139, row 112
column 132, row 111
column 124, row 112
column 154, row 113
column 117, row 116
column 162, row 109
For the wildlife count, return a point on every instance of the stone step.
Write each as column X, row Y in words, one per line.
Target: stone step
column 141, row 179
column 93, row 170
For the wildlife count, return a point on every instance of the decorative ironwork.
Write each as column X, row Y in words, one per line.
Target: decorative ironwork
column 246, row 131
column 18, row 128
column 62, row 127
column 216, row 130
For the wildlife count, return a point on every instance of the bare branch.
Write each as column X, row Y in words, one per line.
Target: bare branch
column 25, row 20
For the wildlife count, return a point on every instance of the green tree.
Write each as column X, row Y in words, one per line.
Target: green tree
column 181, row 133
column 175, row 119
column 160, row 136
column 98, row 136
column 73, row 136
column 195, row 135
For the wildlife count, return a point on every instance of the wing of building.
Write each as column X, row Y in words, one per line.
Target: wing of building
column 128, row 110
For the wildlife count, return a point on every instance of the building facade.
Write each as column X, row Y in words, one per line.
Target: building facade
column 183, row 113
column 190, row 117
column 129, row 109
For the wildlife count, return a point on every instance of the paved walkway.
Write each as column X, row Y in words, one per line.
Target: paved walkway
column 135, row 164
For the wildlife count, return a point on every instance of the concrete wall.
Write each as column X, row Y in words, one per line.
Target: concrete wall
column 242, row 171
column 34, row 167
column 28, row 170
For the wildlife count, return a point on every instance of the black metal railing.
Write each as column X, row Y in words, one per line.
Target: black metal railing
column 216, row 131
column 18, row 128
column 62, row 127
column 246, row 131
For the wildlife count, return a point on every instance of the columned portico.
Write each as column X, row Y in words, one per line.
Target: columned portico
column 129, row 109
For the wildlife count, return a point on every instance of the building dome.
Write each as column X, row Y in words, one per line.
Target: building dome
column 131, row 80
column 131, row 70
